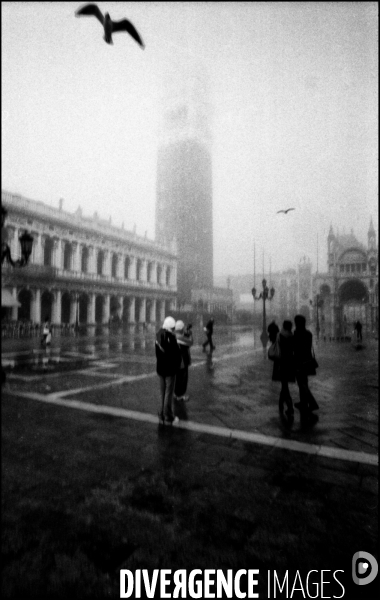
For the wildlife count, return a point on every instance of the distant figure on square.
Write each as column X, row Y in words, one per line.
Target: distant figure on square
column 169, row 357
column 358, row 328
column 273, row 330
column 209, row 330
column 284, row 367
column 303, row 356
column 185, row 341
column 48, row 337
column 45, row 331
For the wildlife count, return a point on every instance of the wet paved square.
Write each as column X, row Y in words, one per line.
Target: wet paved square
column 235, row 392
column 86, row 465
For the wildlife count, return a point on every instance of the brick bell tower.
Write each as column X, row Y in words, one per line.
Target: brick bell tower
column 184, row 178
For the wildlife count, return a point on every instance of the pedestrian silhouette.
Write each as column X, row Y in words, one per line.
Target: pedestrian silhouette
column 284, row 367
column 209, row 330
column 358, row 329
column 305, row 366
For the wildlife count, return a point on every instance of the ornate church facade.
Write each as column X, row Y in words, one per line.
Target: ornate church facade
column 349, row 291
column 84, row 270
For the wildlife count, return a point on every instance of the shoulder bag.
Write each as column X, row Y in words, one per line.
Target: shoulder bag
column 274, row 351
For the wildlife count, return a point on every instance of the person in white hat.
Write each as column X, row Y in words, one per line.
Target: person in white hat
column 168, row 357
column 185, row 341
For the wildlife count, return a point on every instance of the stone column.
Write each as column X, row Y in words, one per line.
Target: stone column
column 36, row 306
column 58, row 259
column 106, row 309
column 173, row 281
column 91, row 309
column 107, row 263
column 14, row 244
column 14, row 308
column 96, row 252
column 142, row 311
column 153, row 272
column 43, row 241
column 119, row 266
column 73, row 308
column 152, row 315
column 161, row 311
column 57, row 307
column 37, row 249
column 132, row 305
column 169, row 273
column 91, row 260
column 120, row 300
column 75, row 256
column 333, row 321
column 142, row 269
column 132, row 268
column 124, row 257
column 54, row 252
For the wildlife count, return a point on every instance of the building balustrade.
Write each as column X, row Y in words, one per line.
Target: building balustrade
column 47, row 272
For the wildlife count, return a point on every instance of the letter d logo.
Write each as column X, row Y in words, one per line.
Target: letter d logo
column 361, row 560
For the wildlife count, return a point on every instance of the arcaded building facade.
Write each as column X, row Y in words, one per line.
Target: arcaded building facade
column 184, row 182
column 349, row 291
column 85, row 270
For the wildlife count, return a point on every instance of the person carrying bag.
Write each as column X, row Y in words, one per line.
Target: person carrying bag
column 306, row 365
column 283, row 365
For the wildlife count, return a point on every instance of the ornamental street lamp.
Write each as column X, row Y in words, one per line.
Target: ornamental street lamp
column 266, row 294
column 26, row 241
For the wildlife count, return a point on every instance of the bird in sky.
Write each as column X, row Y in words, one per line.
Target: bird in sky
column 285, row 211
column 109, row 26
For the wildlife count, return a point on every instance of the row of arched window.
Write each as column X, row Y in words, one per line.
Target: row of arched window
column 353, row 267
column 68, row 255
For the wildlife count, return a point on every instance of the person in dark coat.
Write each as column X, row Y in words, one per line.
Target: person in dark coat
column 284, row 368
column 273, row 330
column 168, row 357
column 358, row 328
column 303, row 343
column 185, row 341
column 209, row 330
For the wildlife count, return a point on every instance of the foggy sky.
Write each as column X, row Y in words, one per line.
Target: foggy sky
column 293, row 88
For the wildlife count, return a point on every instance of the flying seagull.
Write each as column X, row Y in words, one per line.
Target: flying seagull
column 110, row 26
column 285, row 211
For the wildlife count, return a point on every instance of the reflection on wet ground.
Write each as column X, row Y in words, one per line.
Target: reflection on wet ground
column 231, row 388
column 104, row 343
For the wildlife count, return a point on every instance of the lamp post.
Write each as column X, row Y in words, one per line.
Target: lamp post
column 266, row 294
column 26, row 241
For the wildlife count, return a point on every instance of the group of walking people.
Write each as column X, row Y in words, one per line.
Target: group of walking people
column 295, row 362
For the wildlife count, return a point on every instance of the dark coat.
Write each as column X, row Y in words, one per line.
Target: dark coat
column 272, row 331
column 284, row 367
column 303, row 343
column 185, row 341
column 168, row 353
column 210, row 327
